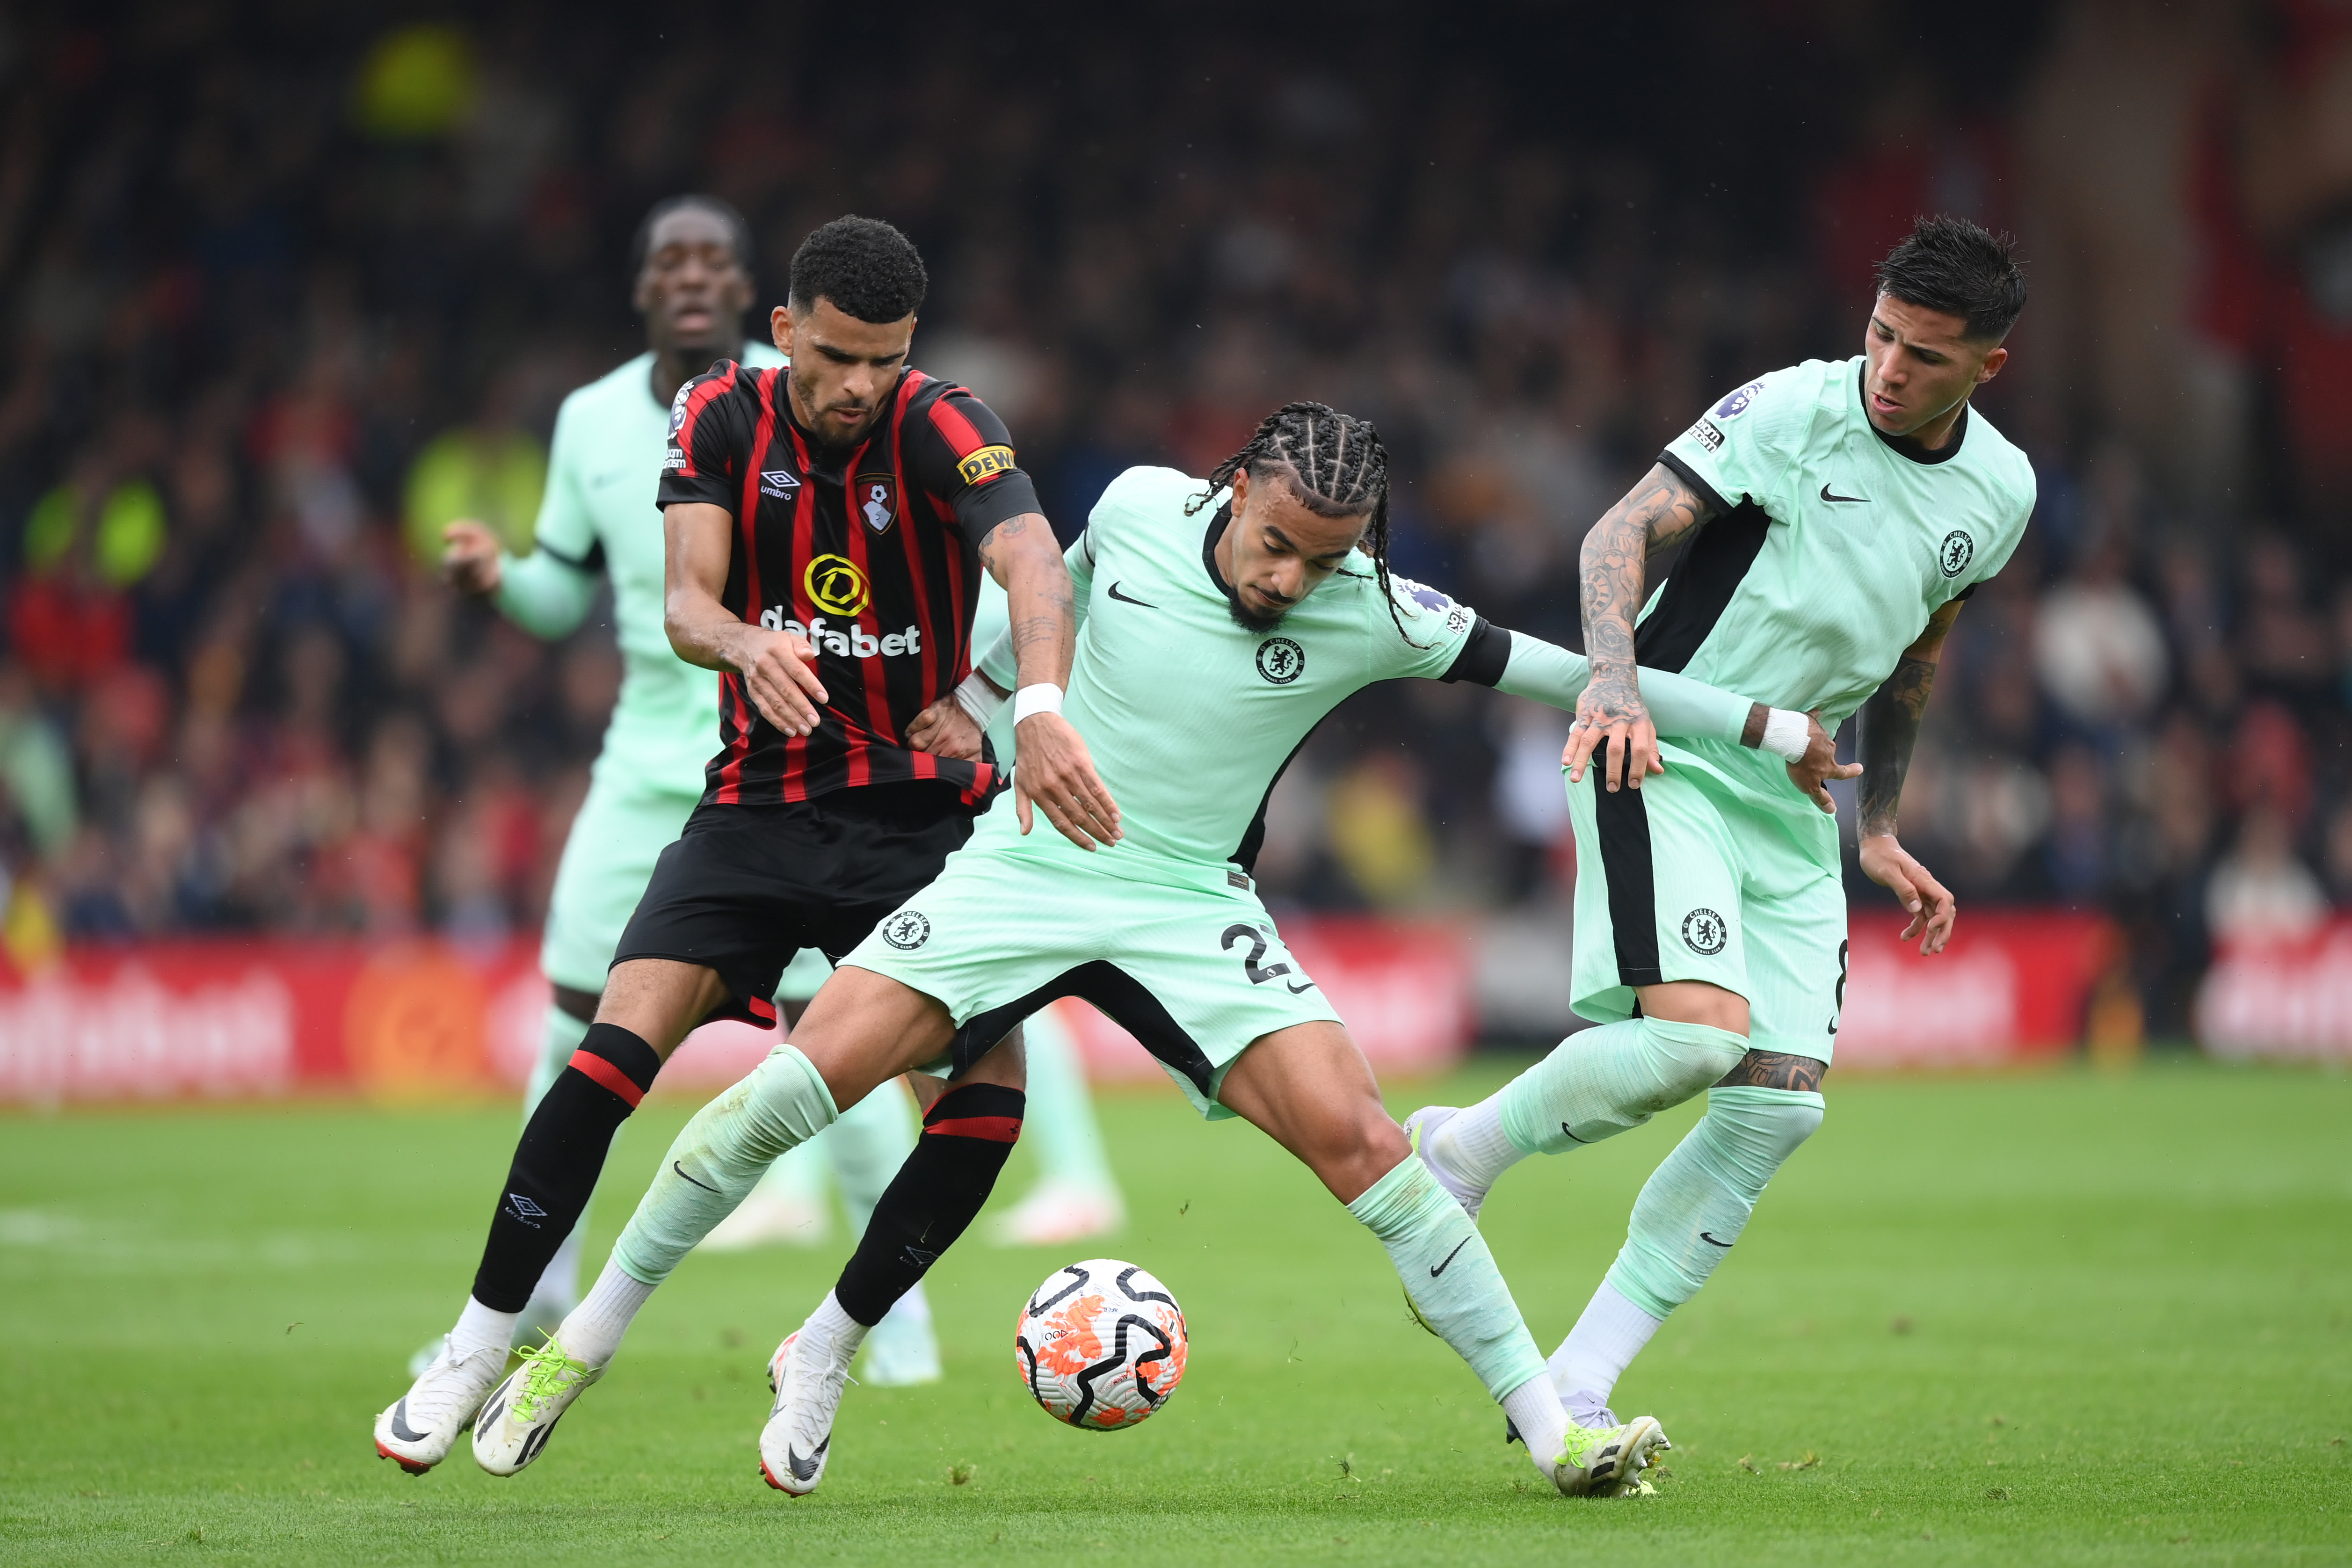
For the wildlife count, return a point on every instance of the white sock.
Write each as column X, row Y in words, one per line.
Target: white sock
column 832, row 1332
column 1535, row 1409
column 1597, row 1352
column 1472, row 1146
column 480, row 1329
column 592, row 1331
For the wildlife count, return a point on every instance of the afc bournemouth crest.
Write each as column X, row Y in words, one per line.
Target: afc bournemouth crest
column 874, row 497
column 907, row 931
column 1957, row 551
column 1704, row 932
column 1280, row 660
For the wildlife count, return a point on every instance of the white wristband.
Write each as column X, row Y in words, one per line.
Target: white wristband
column 1042, row 698
column 1787, row 735
column 980, row 699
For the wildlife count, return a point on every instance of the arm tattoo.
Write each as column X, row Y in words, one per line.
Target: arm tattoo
column 1775, row 1069
column 1890, row 729
column 1047, row 632
column 1655, row 515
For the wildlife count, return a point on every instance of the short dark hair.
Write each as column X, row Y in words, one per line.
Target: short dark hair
column 738, row 232
column 865, row 267
column 1951, row 265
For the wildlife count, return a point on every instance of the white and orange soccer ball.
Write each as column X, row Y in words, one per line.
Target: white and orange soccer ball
column 1101, row 1344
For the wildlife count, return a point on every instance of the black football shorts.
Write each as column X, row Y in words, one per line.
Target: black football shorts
column 746, row 887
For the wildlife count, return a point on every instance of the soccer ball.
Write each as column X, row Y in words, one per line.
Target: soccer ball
column 1101, row 1344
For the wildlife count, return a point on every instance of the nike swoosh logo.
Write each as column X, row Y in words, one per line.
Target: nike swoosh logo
column 1450, row 1258
column 1302, row 986
column 1826, row 495
column 1124, row 599
column 400, row 1424
column 1712, row 1242
column 803, row 1469
column 682, row 1176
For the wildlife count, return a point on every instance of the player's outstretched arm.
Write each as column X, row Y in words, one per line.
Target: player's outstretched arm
column 1656, row 514
column 1890, row 729
column 543, row 595
column 1545, row 672
column 778, row 669
column 1055, row 771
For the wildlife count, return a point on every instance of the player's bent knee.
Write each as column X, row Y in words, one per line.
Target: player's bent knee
column 659, row 999
column 1758, row 1129
column 1004, row 1064
column 863, row 1029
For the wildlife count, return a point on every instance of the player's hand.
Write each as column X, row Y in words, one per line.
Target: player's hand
column 1933, row 909
column 469, row 558
column 1625, row 724
column 1057, row 774
column 946, row 729
column 1819, row 764
column 778, row 669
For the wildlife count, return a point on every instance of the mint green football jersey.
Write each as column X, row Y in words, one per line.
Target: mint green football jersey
column 606, row 462
column 1835, row 545
column 1189, row 715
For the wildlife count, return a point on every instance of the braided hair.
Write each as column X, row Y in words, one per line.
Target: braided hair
column 1334, row 463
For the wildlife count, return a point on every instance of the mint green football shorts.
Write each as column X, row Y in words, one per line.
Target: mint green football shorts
column 1691, row 878
column 607, row 860
column 1182, row 956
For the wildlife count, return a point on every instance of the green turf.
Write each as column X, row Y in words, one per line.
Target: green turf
column 2056, row 1320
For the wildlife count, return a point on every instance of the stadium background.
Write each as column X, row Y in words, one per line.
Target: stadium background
column 286, row 287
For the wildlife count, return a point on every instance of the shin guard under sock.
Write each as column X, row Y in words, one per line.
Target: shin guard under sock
column 1449, row 1276
column 556, row 1163
column 1695, row 1204
column 719, row 1157
column 968, row 1134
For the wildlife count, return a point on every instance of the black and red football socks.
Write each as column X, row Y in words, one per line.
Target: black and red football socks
column 556, row 1163
column 968, row 1134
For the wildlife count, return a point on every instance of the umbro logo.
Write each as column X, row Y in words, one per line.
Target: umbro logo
column 1828, row 494
column 523, row 1209
column 779, row 483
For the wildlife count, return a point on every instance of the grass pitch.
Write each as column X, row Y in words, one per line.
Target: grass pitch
column 2067, row 1318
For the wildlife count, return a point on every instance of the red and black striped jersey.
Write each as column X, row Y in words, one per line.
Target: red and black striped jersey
column 871, row 553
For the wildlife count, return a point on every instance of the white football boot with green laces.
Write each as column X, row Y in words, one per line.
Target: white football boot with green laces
column 808, row 1381
column 426, row 1423
column 1606, row 1461
column 521, row 1415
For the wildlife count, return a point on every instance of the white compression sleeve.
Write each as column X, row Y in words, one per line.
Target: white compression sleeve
column 1543, row 672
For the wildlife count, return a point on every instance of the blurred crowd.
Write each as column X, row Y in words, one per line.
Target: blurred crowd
column 285, row 291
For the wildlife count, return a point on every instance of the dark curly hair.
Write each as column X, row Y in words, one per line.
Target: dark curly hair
column 1950, row 264
column 865, row 267
column 738, row 232
column 1334, row 463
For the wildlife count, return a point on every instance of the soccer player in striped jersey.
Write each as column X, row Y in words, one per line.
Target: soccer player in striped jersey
column 692, row 265
column 825, row 525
